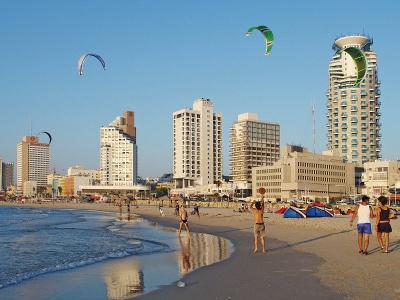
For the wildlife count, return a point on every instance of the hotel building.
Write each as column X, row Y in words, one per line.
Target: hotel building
column 253, row 144
column 353, row 111
column 33, row 162
column 197, row 139
column 303, row 174
column 118, row 152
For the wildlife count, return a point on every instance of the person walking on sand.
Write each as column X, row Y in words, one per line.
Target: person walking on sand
column 259, row 226
column 160, row 209
column 365, row 214
column 383, row 227
column 183, row 216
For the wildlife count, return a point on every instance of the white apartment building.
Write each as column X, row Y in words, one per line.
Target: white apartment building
column 381, row 176
column 253, row 144
column 353, row 111
column 197, row 138
column 33, row 162
column 118, row 152
column 303, row 174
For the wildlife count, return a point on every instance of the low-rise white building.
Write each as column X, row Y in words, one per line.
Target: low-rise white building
column 303, row 174
column 29, row 188
column 381, row 176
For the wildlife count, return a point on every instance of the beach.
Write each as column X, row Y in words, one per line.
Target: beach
column 305, row 259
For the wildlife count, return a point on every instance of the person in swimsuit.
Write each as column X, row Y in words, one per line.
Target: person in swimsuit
column 365, row 214
column 259, row 226
column 183, row 216
column 383, row 227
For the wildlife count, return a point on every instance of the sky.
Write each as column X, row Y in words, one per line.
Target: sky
column 162, row 55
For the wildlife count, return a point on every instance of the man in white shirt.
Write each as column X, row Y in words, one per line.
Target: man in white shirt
column 364, row 213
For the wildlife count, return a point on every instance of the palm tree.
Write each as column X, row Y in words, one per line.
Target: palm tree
column 218, row 183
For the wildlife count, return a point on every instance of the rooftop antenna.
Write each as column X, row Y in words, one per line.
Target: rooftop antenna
column 313, row 125
column 31, row 127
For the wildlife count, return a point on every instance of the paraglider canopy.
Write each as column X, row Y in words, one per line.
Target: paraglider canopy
column 268, row 35
column 49, row 135
column 360, row 61
column 82, row 60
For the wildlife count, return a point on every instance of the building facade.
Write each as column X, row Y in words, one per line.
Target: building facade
column 118, row 152
column 303, row 174
column 33, row 162
column 94, row 175
column 380, row 177
column 7, row 178
column 197, row 138
column 252, row 144
column 353, row 111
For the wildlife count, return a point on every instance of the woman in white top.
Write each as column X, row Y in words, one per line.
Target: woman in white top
column 364, row 213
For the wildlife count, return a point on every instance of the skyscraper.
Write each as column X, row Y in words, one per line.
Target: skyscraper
column 353, row 111
column 118, row 152
column 33, row 162
column 7, row 178
column 253, row 144
column 197, row 145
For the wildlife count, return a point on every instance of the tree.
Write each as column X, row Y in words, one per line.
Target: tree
column 218, row 183
column 60, row 190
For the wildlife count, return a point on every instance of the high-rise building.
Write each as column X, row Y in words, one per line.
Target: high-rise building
column 353, row 111
column 7, row 177
column 253, row 144
column 303, row 174
column 118, row 152
column 197, row 145
column 33, row 162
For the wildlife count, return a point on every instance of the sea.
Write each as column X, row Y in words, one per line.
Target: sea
column 35, row 243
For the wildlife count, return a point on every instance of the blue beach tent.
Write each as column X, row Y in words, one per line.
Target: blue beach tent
column 293, row 212
column 318, row 212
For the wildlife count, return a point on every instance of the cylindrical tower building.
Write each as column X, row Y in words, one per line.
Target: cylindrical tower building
column 353, row 110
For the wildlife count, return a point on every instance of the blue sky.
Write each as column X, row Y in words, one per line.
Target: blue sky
column 162, row 55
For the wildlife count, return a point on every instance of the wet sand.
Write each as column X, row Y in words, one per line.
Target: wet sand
column 305, row 259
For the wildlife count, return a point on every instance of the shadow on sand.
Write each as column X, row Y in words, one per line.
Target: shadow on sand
column 309, row 240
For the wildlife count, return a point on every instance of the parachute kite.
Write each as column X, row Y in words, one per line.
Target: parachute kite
column 268, row 35
column 49, row 135
column 82, row 60
column 361, row 62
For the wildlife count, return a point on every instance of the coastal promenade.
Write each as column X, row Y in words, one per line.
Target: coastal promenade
column 305, row 259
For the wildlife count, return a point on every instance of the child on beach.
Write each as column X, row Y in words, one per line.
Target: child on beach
column 259, row 226
column 383, row 227
column 364, row 214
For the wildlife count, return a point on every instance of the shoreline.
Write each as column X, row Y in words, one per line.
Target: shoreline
column 171, row 262
column 281, row 273
column 299, row 252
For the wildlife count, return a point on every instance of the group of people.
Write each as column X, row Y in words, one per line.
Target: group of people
column 365, row 214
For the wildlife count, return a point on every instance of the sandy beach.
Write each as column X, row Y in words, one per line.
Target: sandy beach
column 305, row 259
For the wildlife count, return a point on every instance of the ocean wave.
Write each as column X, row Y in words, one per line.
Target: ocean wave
column 73, row 265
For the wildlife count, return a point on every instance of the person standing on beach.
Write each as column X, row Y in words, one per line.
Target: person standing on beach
column 176, row 208
column 183, row 216
column 365, row 214
column 259, row 226
column 383, row 227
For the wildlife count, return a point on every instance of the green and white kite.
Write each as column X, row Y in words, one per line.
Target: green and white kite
column 268, row 35
column 361, row 62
